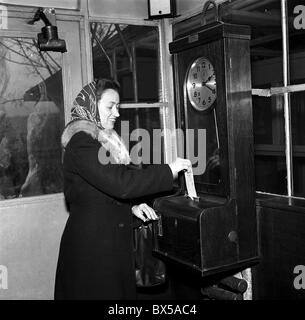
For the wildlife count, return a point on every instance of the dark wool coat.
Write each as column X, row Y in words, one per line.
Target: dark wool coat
column 96, row 251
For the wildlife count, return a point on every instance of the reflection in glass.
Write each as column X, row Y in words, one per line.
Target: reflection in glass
column 151, row 140
column 264, row 17
column 270, row 173
column 129, row 54
column 296, row 25
column 298, row 140
column 268, row 120
column 207, row 121
column 269, row 139
column 31, row 119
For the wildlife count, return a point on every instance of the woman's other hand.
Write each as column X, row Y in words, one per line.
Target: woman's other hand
column 178, row 165
column 144, row 212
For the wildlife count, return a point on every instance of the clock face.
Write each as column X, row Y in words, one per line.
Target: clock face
column 201, row 84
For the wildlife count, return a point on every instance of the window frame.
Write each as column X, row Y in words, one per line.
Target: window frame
column 166, row 105
column 284, row 91
column 7, row 203
column 18, row 31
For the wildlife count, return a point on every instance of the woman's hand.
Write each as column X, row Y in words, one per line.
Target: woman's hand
column 144, row 212
column 178, row 165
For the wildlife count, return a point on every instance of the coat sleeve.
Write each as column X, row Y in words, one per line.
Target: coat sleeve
column 120, row 181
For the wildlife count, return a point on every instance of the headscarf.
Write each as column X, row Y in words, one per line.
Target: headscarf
column 85, row 108
column 85, row 105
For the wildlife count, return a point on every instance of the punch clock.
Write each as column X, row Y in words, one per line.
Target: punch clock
column 212, row 78
column 201, row 84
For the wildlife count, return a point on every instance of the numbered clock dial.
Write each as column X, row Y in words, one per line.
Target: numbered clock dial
column 201, row 84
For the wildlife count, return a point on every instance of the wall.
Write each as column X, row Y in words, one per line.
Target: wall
column 126, row 8
column 190, row 7
column 107, row 8
column 131, row 9
column 63, row 4
column 138, row 8
column 30, row 232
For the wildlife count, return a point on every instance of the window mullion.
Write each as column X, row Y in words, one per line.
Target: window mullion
column 287, row 113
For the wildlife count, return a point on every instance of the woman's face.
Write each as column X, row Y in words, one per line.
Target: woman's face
column 108, row 107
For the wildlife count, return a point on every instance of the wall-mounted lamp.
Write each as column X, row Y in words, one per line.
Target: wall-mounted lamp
column 48, row 38
column 158, row 9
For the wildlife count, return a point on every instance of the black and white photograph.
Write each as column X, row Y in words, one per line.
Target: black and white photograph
column 152, row 152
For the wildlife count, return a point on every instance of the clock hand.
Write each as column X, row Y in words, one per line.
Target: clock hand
column 209, row 87
column 208, row 80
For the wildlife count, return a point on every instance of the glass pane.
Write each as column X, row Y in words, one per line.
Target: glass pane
column 31, row 119
column 129, row 54
column 268, row 120
column 296, row 23
column 269, row 140
column 298, row 139
column 297, row 101
column 264, row 18
column 270, row 173
column 150, row 143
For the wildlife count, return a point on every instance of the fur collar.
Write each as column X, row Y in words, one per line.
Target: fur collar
column 109, row 140
column 77, row 126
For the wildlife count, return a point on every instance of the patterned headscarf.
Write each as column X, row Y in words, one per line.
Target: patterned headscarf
column 85, row 105
column 85, row 108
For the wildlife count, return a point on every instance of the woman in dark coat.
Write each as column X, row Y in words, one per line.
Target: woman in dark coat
column 96, row 254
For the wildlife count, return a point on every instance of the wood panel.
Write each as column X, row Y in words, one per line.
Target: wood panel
column 240, row 148
column 282, row 239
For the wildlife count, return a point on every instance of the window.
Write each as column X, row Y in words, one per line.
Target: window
column 278, row 116
column 31, row 119
column 296, row 14
column 130, row 54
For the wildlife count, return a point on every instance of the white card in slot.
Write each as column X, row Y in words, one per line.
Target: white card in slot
column 190, row 185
